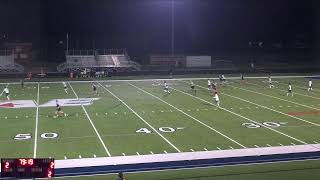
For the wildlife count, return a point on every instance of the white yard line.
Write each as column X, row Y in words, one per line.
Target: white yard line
column 275, row 88
column 242, row 117
column 161, row 79
column 271, row 109
column 36, row 128
column 273, row 97
column 93, row 126
column 172, row 145
column 227, row 137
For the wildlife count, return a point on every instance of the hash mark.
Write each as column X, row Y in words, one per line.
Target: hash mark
column 281, row 144
column 80, row 156
column 257, row 146
column 151, row 152
column 123, row 154
column 165, row 152
column 138, row 153
column 218, row 148
column 231, row 147
column 293, row 144
column 205, row 149
column 316, row 142
column 94, row 156
column 269, row 145
column 192, row 150
column 65, row 157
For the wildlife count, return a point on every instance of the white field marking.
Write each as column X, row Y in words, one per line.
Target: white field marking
column 161, row 79
column 123, row 154
column 151, row 152
column 242, row 116
column 65, row 157
column 80, row 156
column 265, row 107
column 94, row 156
column 231, row 147
column 138, row 153
column 192, row 150
column 6, row 117
column 205, row 149
column 36, row 128
column 316, row 142
column 16, row 117
column 106, row 114
column 93, row 126
column 293, row 144
column 204, row 124
column 269, row 145
column 256, row 146
column 218, row 148
column 155, row 130
column 165, row 152
column 286, row 91
column 274, row 97
column 280, row 144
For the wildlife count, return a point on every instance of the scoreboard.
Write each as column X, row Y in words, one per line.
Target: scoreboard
column 27, row 168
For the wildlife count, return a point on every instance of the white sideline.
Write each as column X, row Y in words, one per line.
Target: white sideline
column 36, row 128
column 95, row 129
column 260, row 124
column 204, row 124
column 134, row 159
column 172, row 145
column 161, row 79
column 273, row 97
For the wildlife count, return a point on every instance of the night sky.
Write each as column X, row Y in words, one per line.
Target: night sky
column 144, row 26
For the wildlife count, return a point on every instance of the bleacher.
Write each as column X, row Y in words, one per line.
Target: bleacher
column 7, row 63
column 91, row 59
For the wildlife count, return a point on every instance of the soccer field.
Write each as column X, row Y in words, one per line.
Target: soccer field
column 137, row 118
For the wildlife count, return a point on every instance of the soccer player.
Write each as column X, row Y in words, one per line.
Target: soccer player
column 270, row 82
column 65, row 87
column 22, row 83
column 192, row 86
column 214, row 85
column 94, row 89
column 209, row 84
column 223, row 78
column 59, row 112
column 289, row 90
column 310, row 85
column 166, row 87
column 216, row 98
column 7, row 93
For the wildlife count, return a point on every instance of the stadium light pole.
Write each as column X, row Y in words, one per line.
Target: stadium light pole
column 172, row 28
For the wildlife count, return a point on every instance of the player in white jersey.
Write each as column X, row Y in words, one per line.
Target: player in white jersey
column 310, row 85
column 289, row 90
column 166, row 87
column 216, row 98
column 209, row 84
column 65, row 87
column 270, row 82
column 7, row 93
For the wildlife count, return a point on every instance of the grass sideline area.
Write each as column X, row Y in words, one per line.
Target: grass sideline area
column 137, row 117
column 277, row 171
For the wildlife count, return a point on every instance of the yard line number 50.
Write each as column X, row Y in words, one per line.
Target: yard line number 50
column 28, row 136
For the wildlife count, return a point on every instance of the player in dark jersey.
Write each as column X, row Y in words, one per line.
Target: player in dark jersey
column 192, row 86
column 94, row 89
column 59, row 112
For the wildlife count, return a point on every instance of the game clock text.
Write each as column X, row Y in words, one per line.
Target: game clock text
column 27, row 168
